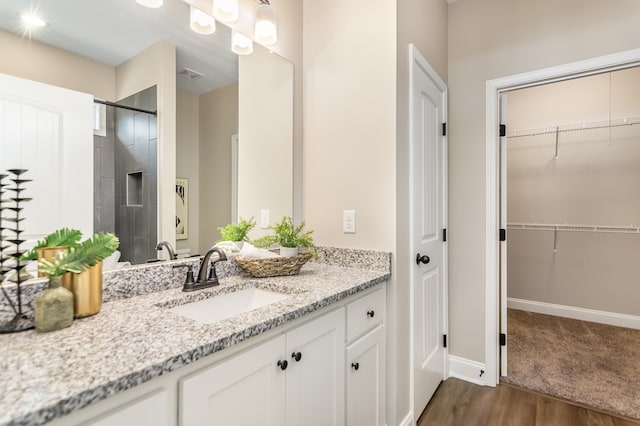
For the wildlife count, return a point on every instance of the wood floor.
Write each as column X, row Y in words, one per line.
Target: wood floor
column 457, row 402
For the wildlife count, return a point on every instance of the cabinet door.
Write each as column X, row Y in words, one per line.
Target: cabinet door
column 366, row 380
column 247, row 389
column 150, row 409
column 315, row 377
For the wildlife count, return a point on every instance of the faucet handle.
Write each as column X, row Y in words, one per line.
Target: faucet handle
column 189, row 279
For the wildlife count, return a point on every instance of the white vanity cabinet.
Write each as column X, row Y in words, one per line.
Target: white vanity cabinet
column 249, row 384
column 247, row 389
column 293, row 379
column 149, row 409
column 365, row 366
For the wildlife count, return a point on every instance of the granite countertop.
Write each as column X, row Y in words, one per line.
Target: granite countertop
column 132, row 340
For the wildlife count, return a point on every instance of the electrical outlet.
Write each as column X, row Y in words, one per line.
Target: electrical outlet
column 264, row 219
column 349, row 221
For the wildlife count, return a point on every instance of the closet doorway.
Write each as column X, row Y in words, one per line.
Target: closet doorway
column 570, row 266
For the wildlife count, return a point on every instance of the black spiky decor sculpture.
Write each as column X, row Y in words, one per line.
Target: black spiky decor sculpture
column 11, row 206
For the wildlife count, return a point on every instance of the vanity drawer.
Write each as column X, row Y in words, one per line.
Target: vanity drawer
column 365, row 314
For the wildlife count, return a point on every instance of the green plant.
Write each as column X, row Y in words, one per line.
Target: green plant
column 64, row 237
column 286, row 234
column 237, row 231
column 81, row 256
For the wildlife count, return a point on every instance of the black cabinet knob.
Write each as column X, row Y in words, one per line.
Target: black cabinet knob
column 355, row 365
column 283, row 364
column 371, row 313
column 422, row 259
column 297, row 356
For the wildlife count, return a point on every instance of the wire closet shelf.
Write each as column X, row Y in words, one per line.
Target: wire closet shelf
column 587, row 125
column 574, row 228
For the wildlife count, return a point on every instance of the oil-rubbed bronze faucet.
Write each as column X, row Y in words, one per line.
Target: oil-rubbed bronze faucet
column 210, row 279
column 167, row 245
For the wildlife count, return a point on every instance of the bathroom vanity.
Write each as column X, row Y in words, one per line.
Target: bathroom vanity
column 315, row 356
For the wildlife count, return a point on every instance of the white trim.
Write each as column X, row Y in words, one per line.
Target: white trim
column 415, row 57
column 408, row 420
column 600, row 64
column 583, row 314
column 467, row 370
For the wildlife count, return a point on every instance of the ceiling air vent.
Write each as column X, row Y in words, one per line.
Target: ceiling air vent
column 189, row 74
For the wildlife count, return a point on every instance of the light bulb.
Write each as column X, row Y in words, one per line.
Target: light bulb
column 201, row 22
column 225, row 10
column 266, row 31
column 154, row 4
column 240, row 43
column 33, row 20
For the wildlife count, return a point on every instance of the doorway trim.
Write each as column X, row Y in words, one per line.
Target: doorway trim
column 494, row 87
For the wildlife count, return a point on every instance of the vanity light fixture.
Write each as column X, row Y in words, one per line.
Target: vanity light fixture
column 201, row 22
column 225, row 10
column 154, row 4
column 240, row 43
column 32, row 20
column 266, row 31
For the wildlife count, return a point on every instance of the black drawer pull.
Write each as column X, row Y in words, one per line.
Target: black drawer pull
column 297, row 356
column 283, row 364
column 355, row 365
column 371, row 313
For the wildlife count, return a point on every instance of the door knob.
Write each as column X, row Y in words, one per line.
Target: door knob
column 297, row 356
column 283, row 364
column 422, row 259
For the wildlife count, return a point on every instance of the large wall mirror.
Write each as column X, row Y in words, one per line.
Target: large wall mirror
column 223, row 133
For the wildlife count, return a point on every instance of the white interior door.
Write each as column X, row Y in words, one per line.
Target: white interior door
column 428, row 207
column 503, row 242
column 49, row 131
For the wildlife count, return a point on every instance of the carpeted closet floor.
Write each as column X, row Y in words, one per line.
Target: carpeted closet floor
column 585, row 362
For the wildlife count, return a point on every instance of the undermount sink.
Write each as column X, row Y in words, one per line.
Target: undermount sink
column 228, row 305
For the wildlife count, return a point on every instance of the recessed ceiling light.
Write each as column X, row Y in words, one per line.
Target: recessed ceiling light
column 154, row 4
column 33, row 20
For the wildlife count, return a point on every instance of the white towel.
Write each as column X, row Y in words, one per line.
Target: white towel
column 250, row 252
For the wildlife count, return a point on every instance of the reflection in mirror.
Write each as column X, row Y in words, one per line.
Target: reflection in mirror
column 113, row 58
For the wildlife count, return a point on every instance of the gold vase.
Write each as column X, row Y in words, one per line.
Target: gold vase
column 87, row 291
column 50, row 253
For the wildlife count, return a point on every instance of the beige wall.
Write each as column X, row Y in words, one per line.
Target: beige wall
column 218, row 122
column 40, row 62
column 265, row 130
column 349, row 121
column 594, row 181
column 490, row 39
column 356, row 147
column 157, row 66
column 188, row 161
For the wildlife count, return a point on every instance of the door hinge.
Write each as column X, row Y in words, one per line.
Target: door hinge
column 503, row 339
column 503, row 130
column 503, row 234
column 444, row 129
column 444, row 235
column 444, row 341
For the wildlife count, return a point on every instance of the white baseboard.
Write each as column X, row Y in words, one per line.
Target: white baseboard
column 408, row 420
column 467, row 370
column 602, row 317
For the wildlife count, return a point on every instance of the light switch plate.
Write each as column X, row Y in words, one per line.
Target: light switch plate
column 264, row 219
column 349, row 221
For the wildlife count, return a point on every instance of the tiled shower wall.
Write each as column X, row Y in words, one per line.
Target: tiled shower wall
column 134, row 159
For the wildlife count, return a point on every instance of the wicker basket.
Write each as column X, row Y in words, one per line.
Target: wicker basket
column 273, row 266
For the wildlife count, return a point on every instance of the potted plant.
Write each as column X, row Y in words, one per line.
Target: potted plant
column 237, row 232
column 290, row 238
column 82, row 294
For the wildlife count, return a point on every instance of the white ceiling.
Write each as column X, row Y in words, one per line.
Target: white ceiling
column 112, row 31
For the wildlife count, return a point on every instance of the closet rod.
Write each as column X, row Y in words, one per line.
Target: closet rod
column 587, row 125
column 573, row 228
